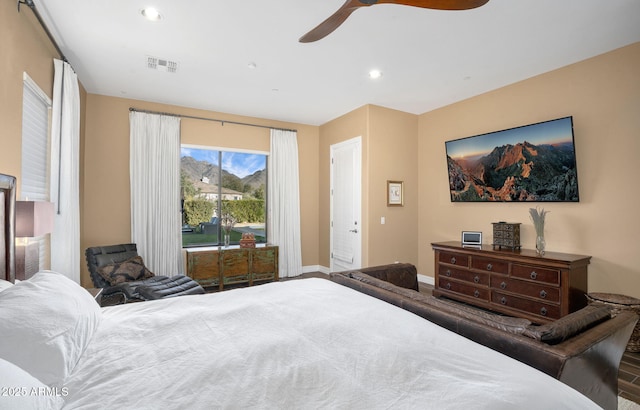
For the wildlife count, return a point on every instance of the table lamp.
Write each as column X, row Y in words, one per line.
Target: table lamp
column 33, row 219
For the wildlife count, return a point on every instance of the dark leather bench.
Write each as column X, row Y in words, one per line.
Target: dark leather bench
column 582, row 349
column 155, row 287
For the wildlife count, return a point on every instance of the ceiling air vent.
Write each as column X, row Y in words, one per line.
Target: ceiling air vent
column 161, row 64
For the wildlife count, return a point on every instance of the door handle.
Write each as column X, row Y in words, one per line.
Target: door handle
column 353, row 230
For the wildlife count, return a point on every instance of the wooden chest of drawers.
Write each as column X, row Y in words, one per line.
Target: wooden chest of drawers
column 516, row 282
column 219, row 267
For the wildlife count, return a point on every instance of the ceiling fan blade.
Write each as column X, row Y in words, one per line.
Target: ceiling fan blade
column 333, row 22
column 436, row 4
column 336, row 19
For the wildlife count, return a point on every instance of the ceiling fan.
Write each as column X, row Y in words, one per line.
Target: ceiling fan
column 337, row 18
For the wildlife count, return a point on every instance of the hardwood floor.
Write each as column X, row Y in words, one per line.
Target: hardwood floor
column 628, row 375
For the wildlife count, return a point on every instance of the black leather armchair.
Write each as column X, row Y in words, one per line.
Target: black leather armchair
column 155, row 287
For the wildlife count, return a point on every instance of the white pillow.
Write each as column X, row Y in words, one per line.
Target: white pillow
column 46, row 322
column 4, row 284
column 22, row 391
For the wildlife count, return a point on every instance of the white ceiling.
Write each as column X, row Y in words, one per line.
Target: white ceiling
column 429, row 58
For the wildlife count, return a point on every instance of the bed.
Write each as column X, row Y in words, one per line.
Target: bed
column 303, row 344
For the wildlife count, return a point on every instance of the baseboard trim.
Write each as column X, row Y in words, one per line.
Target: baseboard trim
column 315, row 268
column 426, row 279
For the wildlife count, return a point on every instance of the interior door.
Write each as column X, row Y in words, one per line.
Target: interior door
column 346, row 189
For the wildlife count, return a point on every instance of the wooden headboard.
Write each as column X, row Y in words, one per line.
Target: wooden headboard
column 7, row 227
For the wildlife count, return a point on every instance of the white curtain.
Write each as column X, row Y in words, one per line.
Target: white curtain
column 284, row 202
column 65, row 151
column 155, row 191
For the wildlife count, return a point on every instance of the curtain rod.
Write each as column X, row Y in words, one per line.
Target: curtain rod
column 210, row 119
column 32, row 6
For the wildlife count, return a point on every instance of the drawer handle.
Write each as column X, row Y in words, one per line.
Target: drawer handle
column 476, row 279
column 489, row 266
column 543, row 294
column 476, row 293
column 453, row 260
column 543, row 311
column 534, row 275
column 448, row 273
column 503, row 285
column 503, row 300
column 448, row 286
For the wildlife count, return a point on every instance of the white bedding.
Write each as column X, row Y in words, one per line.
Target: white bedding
column 303, row 344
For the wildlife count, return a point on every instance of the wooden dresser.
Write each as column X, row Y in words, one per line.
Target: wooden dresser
column 514, row 282
column 219, row 267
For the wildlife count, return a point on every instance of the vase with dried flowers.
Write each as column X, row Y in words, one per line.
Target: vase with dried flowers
column 538, row 216
column 227, row 222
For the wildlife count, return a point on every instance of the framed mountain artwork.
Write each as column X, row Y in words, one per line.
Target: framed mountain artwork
column 534, row 163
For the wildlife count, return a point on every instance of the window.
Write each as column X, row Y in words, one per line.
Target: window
column 223, row 193
column 35, row 152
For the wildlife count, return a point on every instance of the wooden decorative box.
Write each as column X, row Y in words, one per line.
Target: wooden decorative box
column 506, row 234
column 248, row 240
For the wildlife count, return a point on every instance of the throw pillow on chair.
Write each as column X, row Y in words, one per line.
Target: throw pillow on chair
column 130, row 270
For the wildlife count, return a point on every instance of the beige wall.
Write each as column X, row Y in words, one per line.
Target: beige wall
column 106, row 211
column 603, row 96
column 389, row 139
column 25, row 48
column 346, row 127
column 392, row 156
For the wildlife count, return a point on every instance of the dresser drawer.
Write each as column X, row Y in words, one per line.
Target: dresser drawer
column 454, row 259
column 463, row 274
column 264, row 260
column 503, row 234
column 235, row 263
column 542, row 292
column 470, row 290
column 505, row 227
column 490, row 265
column 544, row 310
column 203, row 267
column 536, row 273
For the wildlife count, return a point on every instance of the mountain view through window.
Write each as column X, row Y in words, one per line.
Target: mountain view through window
column 223, row 193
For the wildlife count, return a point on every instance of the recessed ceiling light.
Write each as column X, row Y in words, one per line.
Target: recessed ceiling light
column 252, row 65
column 151, row 14
column 373, row 74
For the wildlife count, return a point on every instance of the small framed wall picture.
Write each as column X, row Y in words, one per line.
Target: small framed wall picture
column 395, row 193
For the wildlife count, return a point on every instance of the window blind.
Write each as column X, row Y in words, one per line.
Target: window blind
column 34, row 178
